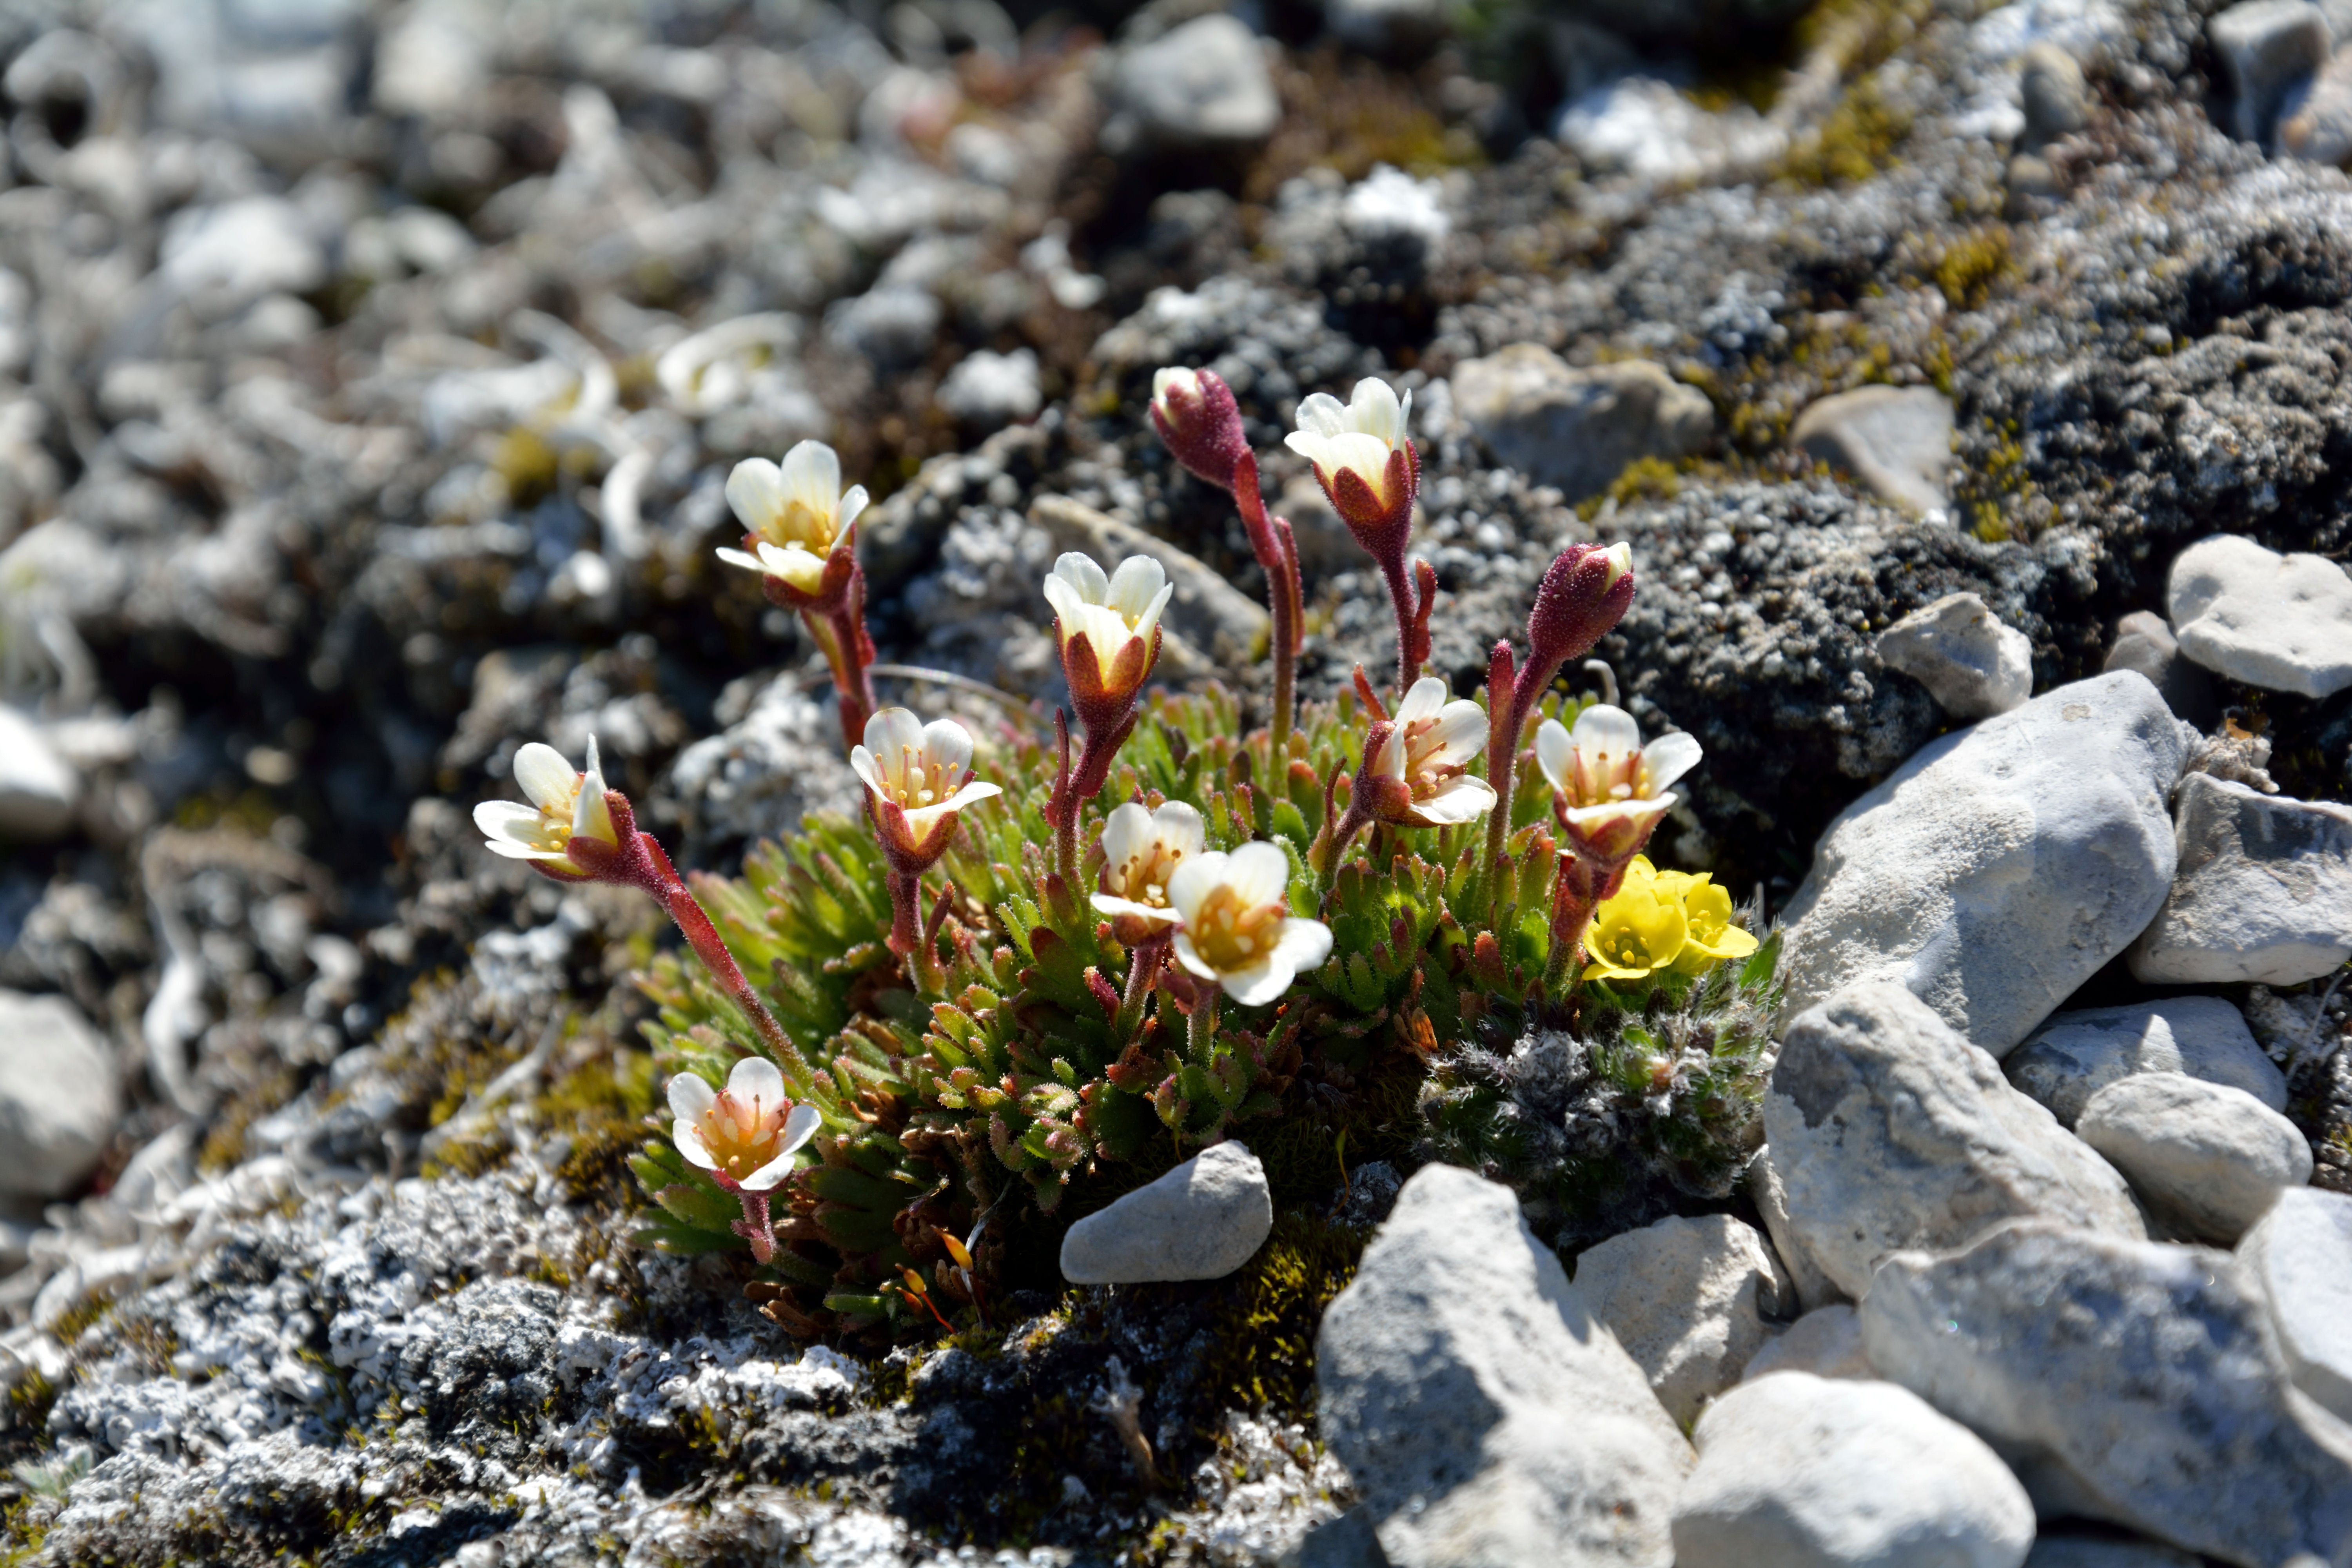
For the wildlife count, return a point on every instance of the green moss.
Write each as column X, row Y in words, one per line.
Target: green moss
column 1854, row 141
column 1970, row 267
column 1263, row 1354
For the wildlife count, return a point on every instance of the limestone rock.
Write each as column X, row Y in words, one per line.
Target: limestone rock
column 2300, row 1256
column 2264, row 891
column 989, row 391
column 2320, row 127
column 1897, row 440
column 38, row 789
column 2002, row 865
column 1814, row 1288
column 59, row 1103
column 1577, row 428
column 2267, row 48
column 2280, row 622
column 2078, row 1053
column 1688, row 1299
column 1201, row 1221
column 1888, row 1130
column 2051, row 88
column 2100, row 1551
column 2145, row 643
column 1826, row 1343
column 1972, row 665
column 1781, row 1483
column 1203, row 83
column 2141, row 1376
column 2209, row 1158
column 1208, row 620
column 1485, row 1414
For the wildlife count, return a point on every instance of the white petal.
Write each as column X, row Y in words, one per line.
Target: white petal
column 1103, row 626
column 1125, row 833
column 1190, row 957
column 1180, row 829
column 515, row 849
column 768, row 1175
column 1603, row 728
column 1460, row 733
column 1069, row 604
column 1668, row 758
column 1320, row 414
column 862, row 764
column 1149, row 621
column 1182, row 378
column 690, row 1094
column 1427, row 696
column 972, row 794
column 1313, row 446
column 1643, row 813
column 756, row 1077
column 1081, row 573
column 1192, row 882
column 1463, row 799
column 1105, row 903
column 510, row 820
column 1555, row 752
column 889, row 734
column 1305, row 943
column 1367, row 454
column 853, row 502
column 920, row 820
column 689, row 1139
column 800, row 1126
column 948, row 745
column 591, row 817
column 1372, row 408
column 1261, row 982
column 812, row 476
column 737, row 558
column 1137, row 582
column 542, row 774
column 755, row 491
column 1259, row 873
column 1390, row 761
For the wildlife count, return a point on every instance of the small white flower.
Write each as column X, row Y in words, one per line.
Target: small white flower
column 1114, row 616
column 1355, row 437
column 1611, row 788
column 1183, row 380
column 919, row 776
column 564, row 805
column 1433, row 741
column 799, row 514
column 1142, row 851
column 1238, row 930
column 745, row 1134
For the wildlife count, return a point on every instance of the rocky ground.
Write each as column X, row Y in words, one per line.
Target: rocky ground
column 369, row 378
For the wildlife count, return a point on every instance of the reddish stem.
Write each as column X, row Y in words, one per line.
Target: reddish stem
column 658, row 878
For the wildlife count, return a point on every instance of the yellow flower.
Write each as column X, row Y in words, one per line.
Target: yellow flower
column 1707, row 909
column 1638, row 931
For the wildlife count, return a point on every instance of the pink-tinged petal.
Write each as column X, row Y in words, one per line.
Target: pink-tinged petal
column 690, row 1097
column 1668, row 758
column 1555, row 753
column 690, row 1147
column 756, row 1077
column 1261, row 982
column 541, row 773
column 1190, row 957
column 1108, row 904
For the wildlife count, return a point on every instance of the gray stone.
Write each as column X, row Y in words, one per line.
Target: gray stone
column 38, row 789
column 2100, row 1551
column 2138, row 1379
column 1970, row 664
column 1896, row 440
column 2145, row 643
column 1888, row 1130
column 1486, row 1415
column 2208, row 1158
column 1826, row 1341
column 2300, row 1256
column 1576, row 429
column 2264, row 891
column 2319, row 129
column 1688, row 1300
column 1208, row 622
column 59, row 1103
column 1201, row 1221
column 2280, row 622
column 2002, row 865
column 1387, row 27
column 1778, row 1483
column 1814, row 1288
column 2056, row 99
column 989, row 391
column 2267, row 48
column 1205, row 83
column 2077, row 1054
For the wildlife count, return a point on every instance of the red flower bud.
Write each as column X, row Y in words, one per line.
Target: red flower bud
column 1194, row 411
column 1584, row 593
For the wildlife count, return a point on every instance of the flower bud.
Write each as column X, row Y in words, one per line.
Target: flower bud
column 1194, row 411
column 1365, row 462
column 1585, row 592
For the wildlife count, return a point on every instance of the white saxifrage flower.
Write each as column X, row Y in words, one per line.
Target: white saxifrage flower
column 1142, row 851
column 1612, row 789
column 564, row 805
column 918, row 776
column 802, row 524
column 1356, row 438
column 1238, row 930
column 1418, row 772
column 746, row 1134
column 1109, row 624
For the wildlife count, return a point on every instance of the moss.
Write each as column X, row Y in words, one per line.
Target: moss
column 1970, row 266
column 1854, row 142
column 602, row 1107
column 528, row 464
column 1262, row 1357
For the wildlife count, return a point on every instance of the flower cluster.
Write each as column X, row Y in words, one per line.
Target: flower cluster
column 1663, row 922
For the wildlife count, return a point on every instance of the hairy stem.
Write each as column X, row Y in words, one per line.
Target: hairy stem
column 661, row 879
column 1400, row 583
column 1143, row 961
column 1201, row 1033
column 754, row 1227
